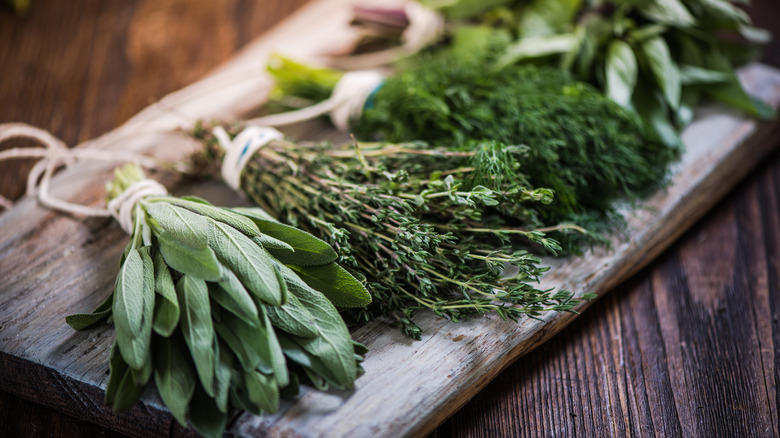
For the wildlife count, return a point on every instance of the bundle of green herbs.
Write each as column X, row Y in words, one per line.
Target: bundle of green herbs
column 223, row 308
column 657, row 57
column 547, row 131
column 435, row 229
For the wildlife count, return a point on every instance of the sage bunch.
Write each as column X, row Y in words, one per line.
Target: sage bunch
column 416, row 221
column 223, row 308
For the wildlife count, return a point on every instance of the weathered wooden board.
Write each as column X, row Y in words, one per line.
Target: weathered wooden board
column 51, row 265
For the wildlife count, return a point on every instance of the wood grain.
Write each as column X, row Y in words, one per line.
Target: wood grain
column 618, row 420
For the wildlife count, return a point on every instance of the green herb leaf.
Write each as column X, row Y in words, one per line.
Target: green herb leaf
column 134, row 307
column 174, row 375
column 309, row 250
column 248, row 343
column 199, row 262
column 665, row 72
column 692, row 75
column 223, row 366
column 672, row 12
column 293, row 318
column 536, row 47
column 121, row 391
column 250, row 262
column 262, row 391
column 166, row 309
column 197, row 327
column 177, row 223
column 334, row 282
column 231, row 295
column 223, row 215
column 80, row 321
column 205, row 416
column 621, row 72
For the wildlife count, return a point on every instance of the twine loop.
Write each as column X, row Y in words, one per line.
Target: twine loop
column 239, row 150
column 345, row 104
column 121, row 208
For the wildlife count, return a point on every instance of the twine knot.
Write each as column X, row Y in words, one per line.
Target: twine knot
column 239, row 150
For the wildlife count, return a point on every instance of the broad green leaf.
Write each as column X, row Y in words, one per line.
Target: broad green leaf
column 178, row 224
column 731, row 92
column 199, row 262
column 296, row 353
column 334, row 345
column 223, row 215
column 205, row 416
column 197, row 327
column 621, row 72
column 293, row 318
column 335, row 283
column 231, row 295
column 238, row 394
column 262, row 391
column 548, row 17
column 536, row 47
column 724, row 11
column 248, row 343
column 309, row 250
column 271, row 243
column 223, row 366
column 651, row 107
column 250, row 262
column 665, row 72
column 166, row 308
column 174, row 375
column 278, row 362
column 688, row 103
column 80, row 321
column 133, row 308
column 755, row 35
column 672, row 12
column 121, row 391
column 692, row 75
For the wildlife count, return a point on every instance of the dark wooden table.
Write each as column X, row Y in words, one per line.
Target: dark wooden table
column 687, row 347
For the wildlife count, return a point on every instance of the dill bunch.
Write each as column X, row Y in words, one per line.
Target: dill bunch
column 412, row 221
column 587, row 149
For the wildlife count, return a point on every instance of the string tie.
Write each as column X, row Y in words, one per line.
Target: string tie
column 239, row 150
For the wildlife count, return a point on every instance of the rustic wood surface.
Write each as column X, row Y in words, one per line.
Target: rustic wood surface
column 686, row 346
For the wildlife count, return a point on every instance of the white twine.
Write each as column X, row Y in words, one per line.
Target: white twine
column 121, row 208
column 425, row 26
column 239, row 150
column 344, row 105
column 53, row 155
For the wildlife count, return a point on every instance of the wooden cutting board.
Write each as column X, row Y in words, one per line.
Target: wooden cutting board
column 52, row 264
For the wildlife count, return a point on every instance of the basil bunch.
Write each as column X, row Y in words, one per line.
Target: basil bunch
column 224, row 308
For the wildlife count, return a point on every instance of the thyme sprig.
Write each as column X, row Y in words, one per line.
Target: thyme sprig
column 414, row 221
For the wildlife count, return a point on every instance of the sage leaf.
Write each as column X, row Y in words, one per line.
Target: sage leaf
column 174, row 375
column 308, row 250
column 278, row 362
column 335, row 283
column 665, row 72
column 269, row 243
column 231, row 295
column 334, row 344
column 80, row 321
column 222, row 215
column 121, row 391
column 296, row 353
column 250, row 262
column 200, row 262
column 672, row 12
column 179, row 224
column 621, row 72
column 692, row 75
column 205, row 416
column 246, row 342
column 133, row 308
column 262, row 391
column 222, row 371
column 166, row 309
column 197, row 327
column 650, row 106
column 293, row 318
column 536, row 47
column 238, row 395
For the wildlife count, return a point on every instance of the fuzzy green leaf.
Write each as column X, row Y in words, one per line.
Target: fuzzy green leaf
column 80, row 321
column 250, row 262
column 537, row 47
column 205, row 416
column 262, row 391
column 621, row 72
column 197, row 327
column 338, row 285
column 309, row 250
column 133, row 308
column 223, row 215
column 178, row 223
column 664, row 70
column 174, row 375
column 248, row 343
column 672, row 12
column 166, row 309
column 293, row 318
column 199, row 262
column 222, row 371
column 231, row 295
column 121, row 391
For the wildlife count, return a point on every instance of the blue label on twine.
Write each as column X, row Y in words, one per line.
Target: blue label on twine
column 370, row 99
column 246, row 148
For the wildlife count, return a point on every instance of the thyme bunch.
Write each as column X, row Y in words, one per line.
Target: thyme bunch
column 414, row 222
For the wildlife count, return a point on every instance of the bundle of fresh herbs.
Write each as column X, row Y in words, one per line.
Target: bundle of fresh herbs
column 224, row 308
column 657, row 57
column 419, row 222
column 553, row 132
